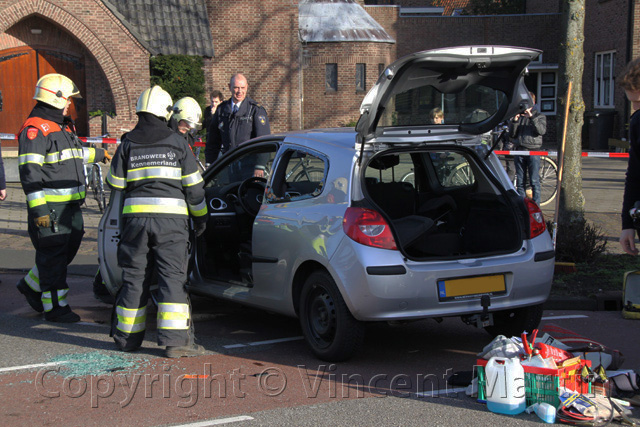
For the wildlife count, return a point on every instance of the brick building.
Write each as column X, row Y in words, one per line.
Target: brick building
column 305, row 61
column 82, row 39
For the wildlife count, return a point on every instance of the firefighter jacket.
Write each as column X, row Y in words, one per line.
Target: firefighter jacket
column 50, row 161
column 227, row 129
column 158, row 173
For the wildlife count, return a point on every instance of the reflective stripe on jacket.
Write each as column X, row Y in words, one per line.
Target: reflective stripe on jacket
column 159, row 178
column 50, row 161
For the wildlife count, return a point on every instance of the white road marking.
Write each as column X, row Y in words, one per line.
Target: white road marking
column 38, row 365
column 276, row 341
column 217, row 422
column 439, row 392
column 571, row 316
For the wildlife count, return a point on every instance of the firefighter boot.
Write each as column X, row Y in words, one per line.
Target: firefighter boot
column 184, row 351
column 33, row 297
column 62, row 315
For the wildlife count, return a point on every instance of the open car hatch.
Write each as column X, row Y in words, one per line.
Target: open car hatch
column 474, row 87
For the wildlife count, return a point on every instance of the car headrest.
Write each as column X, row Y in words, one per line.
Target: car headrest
column 385, row 162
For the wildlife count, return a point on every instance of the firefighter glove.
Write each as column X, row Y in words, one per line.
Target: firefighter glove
column 43, row 221
column 200, row 227
column 107, row 157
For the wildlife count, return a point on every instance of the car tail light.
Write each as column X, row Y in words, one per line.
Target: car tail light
column 368, row 227
column 536, row 220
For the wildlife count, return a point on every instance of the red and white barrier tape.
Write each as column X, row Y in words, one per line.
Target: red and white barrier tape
column 555, row 153
column 101, row 140
column 90, row 139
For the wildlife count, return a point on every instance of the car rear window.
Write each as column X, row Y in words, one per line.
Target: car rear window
column 423, row 105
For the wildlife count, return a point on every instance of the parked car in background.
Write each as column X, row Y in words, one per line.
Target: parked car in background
column 397, row 220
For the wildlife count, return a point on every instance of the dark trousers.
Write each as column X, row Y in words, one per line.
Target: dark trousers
column 528, row 166
column 54, row 252
column 149, row 243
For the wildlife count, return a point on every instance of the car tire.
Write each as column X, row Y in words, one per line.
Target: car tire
column 513, row 322
column 333, row 334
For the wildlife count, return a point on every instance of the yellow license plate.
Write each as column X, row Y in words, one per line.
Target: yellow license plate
column 470, row 287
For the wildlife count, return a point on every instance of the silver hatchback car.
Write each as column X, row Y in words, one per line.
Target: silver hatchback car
column 399, row 219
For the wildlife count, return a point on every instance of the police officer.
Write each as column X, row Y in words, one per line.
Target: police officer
column 50, row 165
column 235, row 121
column 161, row 185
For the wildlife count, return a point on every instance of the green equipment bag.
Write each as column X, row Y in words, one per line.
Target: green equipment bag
column 631, row 295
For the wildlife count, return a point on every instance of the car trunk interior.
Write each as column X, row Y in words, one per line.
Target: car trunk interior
column 440, row 203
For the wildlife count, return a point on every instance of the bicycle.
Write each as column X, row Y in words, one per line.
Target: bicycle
column 450, row 174
column 548, row 172
column 94, row 181
column 308, row 172
column 461, row 175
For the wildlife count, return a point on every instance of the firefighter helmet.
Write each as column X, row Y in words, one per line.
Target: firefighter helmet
column 156, row 101
column 189, row 110
column 55, row 89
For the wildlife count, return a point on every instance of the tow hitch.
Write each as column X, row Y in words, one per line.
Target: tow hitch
column 481, row 320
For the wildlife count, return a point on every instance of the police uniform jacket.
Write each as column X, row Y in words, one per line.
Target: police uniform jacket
column 227, row 130
column 50, row 160
column 157, row 172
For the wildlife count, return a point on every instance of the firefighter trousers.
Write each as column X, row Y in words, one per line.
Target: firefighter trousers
column 55, row 249
column 149, row 243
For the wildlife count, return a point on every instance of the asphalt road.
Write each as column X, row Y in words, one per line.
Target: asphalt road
column 256, row 366
column 257, row 370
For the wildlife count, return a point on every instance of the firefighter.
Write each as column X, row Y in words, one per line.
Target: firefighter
column 186, row 119
column 50, row 165
column 161, row 185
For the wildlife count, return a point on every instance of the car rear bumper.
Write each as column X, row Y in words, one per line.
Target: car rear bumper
column 379, row 284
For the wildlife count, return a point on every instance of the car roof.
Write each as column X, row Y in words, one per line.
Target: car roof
column 344, row 137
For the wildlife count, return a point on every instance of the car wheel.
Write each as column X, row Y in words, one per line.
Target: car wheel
column 513, row 322
column 329, row 328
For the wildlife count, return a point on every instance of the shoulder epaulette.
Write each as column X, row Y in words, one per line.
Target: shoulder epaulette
column 44, row 126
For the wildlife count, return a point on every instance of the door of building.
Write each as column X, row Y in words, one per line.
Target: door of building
column 20, row 69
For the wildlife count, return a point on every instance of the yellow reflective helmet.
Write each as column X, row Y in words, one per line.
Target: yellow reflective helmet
column 189, row 110
column 55, row 89
column 156, row 101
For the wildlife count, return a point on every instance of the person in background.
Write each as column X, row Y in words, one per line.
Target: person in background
column 216, row 98
column 436, row 116
column 50, row 162
column 630, row 82
column 162, row 188
column 526, row 130
column 235, row 121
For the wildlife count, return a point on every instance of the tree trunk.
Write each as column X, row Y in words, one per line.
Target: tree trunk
column 571, row 68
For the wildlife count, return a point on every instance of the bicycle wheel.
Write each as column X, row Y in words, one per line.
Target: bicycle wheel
column 98, row 187
column 310, row 174
column 409, row 177
column 460, row 176
column 548, row 180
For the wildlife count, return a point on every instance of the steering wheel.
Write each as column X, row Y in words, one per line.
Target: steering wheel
column 250, row 194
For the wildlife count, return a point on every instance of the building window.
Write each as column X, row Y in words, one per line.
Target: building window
column 548, row 92
column 544, row 84
column 361, row 77
column 380, row 69
column 331, row 77
column 604, row 80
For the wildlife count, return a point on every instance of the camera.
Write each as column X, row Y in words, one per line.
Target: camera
column 634, row 212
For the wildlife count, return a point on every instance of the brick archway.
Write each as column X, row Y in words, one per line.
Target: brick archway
column 15, row 13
